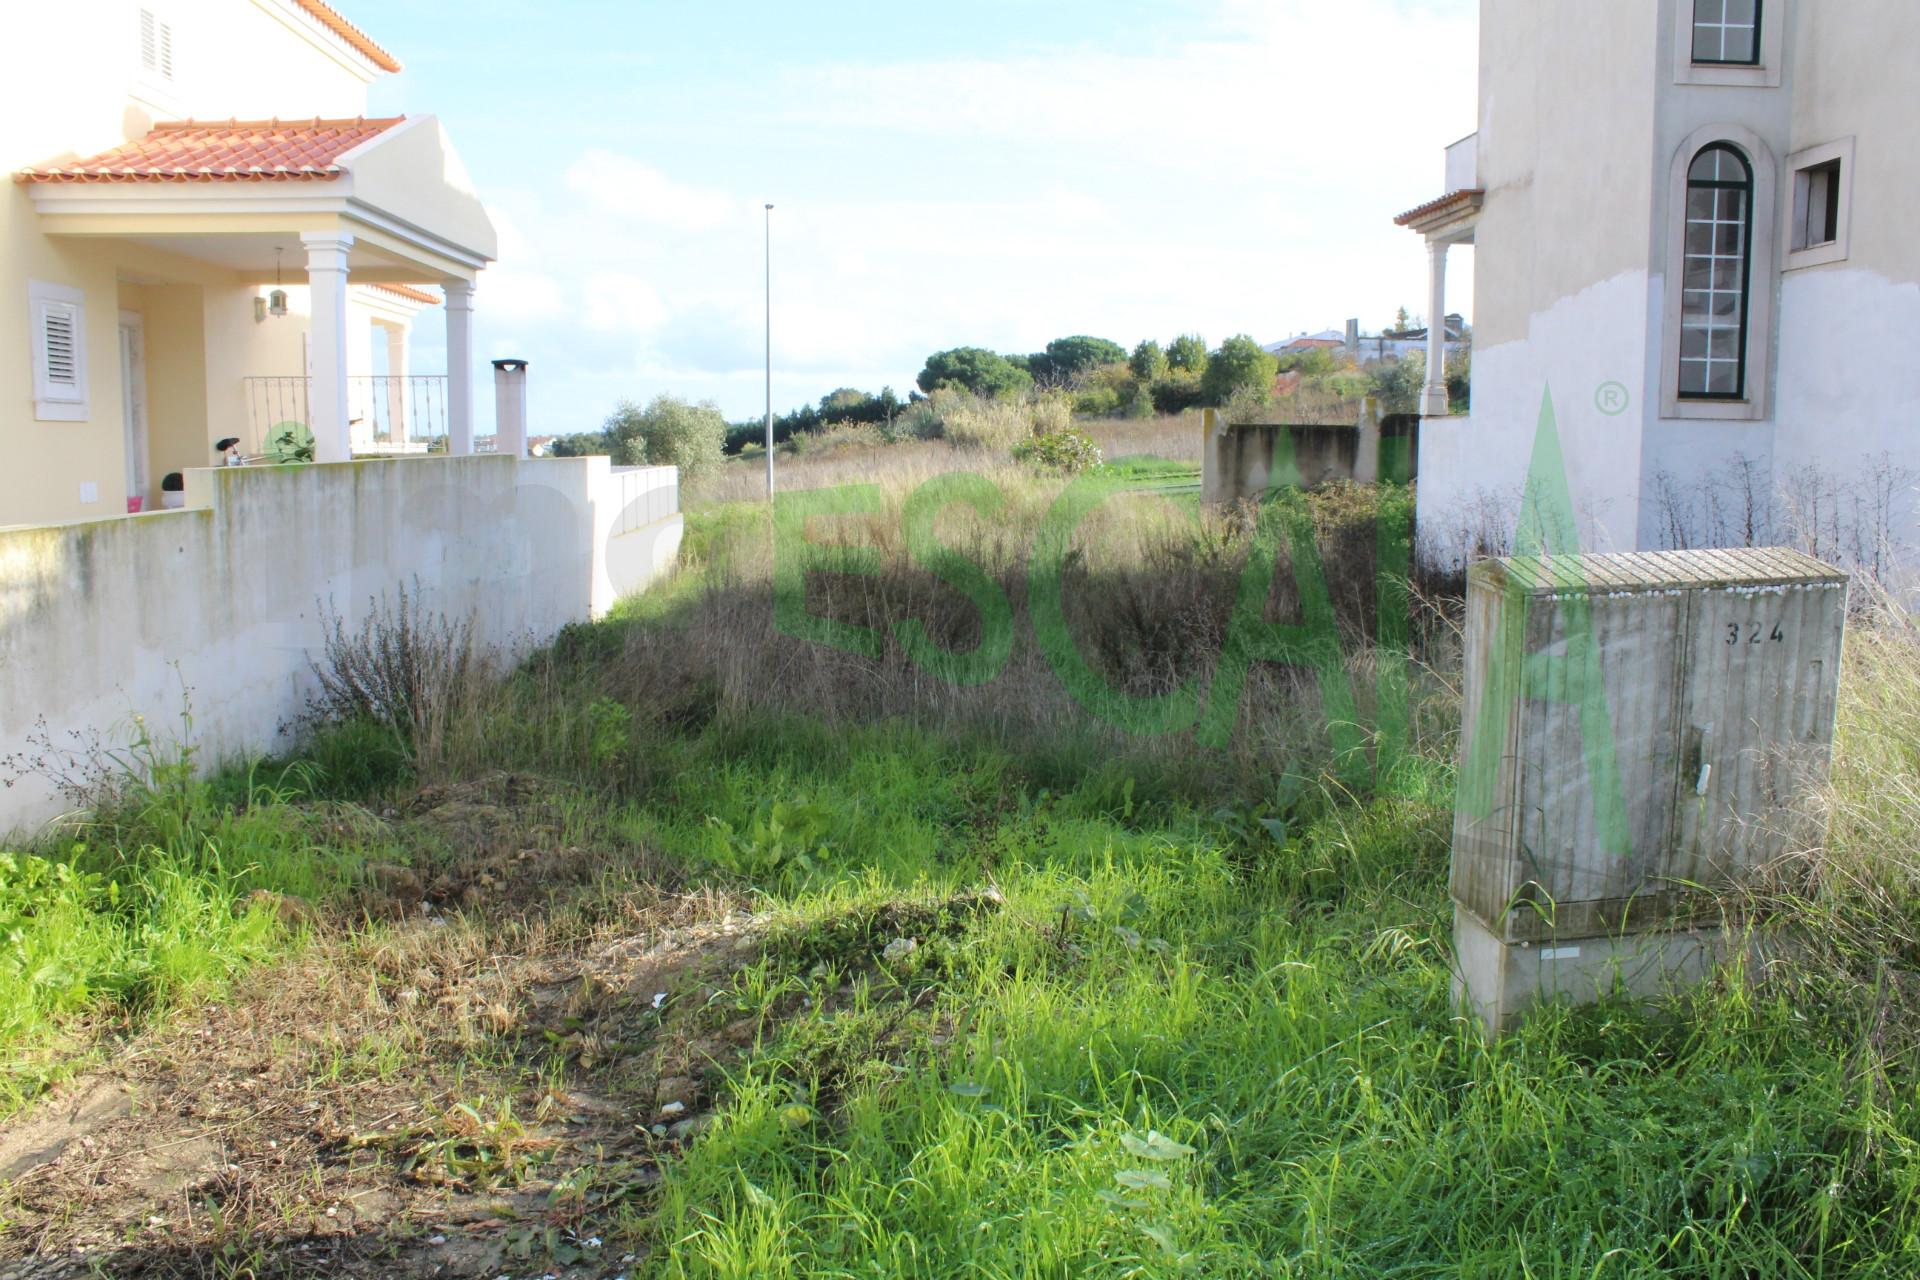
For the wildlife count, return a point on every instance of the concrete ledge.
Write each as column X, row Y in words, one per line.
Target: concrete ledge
column 1498, row 982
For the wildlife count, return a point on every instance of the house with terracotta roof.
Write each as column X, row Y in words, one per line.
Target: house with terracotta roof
column 207, row 239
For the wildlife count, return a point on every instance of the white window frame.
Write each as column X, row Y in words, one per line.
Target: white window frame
column 1775, row 15
column 57, row 402
column 1762, row 279
column 1837, row 249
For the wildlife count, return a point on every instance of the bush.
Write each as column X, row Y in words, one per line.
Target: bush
column 1066, row 360
column 1177, row 393
column 974, row 369
column 406, row 670
column 920, row 420
column 1398, row 383
column 1098, row 402
column 1069, row 451
column 580, row 444
column 1140, row 403
column 1051, row 412
column 1148, row 361
column 976, row 423
column 1240, row 371
column 669, row 432
column 1188, row 353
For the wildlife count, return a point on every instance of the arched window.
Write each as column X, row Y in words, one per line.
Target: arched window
column 1716, row 275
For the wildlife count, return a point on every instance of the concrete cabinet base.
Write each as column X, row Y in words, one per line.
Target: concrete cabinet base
column 1499, row 981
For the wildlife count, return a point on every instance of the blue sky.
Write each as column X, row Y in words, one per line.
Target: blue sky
column 990, row 173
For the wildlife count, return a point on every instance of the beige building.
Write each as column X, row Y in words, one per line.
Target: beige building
column 1691, row 224
column 206, row 239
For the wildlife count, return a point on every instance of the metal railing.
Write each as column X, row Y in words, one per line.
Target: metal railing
column 385, row 414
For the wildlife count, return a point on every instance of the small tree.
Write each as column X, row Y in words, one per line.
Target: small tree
column 1148, row 361
column 1241, row 369
column 1398, row 383
column 669, row 432
column 1188, row 352
column 974, row 369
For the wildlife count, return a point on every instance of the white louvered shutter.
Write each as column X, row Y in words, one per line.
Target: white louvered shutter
column 156, row 45
column 59, row 353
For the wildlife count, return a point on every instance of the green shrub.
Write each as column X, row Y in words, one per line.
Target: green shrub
column 1188, row 353
column 1068, row 451
column 1148, row 361
column 1240, row 368
column 1098, row 402
column 975, row 369
column 669, row 432
column 1398, row 383
column 1140, row 403
column 1177, row 393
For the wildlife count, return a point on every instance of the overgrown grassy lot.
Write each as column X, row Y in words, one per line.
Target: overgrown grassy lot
column 686, row 949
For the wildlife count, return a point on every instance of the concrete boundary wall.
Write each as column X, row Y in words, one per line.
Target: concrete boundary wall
column 1237, row 460
column 226, row 599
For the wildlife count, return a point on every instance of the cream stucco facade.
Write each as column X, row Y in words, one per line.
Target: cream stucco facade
column 166, row 283
column 1582, row 200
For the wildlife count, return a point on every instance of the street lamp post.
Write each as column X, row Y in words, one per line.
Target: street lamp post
column 769, row 220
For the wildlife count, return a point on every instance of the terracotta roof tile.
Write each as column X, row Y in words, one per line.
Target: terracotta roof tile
column 410, row 293
column 328, row 17
column 233, row 151
column 1470, row 198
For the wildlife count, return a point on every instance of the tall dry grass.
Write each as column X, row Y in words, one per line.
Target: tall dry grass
column 860, row 455
column 1150, row 587
column 1856, row 891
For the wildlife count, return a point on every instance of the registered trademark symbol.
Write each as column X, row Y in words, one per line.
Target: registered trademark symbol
column 1612, row 399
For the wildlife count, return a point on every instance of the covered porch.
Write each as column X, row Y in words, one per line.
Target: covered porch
column 1448, row 221
column 241, row 252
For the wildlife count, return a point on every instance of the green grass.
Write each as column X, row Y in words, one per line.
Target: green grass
column 988, row 1106
column 161, row 900
column 1029, row 1006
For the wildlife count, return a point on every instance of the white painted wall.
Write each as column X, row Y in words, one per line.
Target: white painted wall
column 103, row 619
column 1583, row 110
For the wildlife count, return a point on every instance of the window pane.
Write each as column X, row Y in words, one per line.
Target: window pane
column 1713, row 303
column 1727, row 31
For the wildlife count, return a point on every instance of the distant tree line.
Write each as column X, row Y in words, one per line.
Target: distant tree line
column 1096, row 376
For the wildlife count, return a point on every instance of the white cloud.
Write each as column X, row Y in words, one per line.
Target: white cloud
column 1244, row 179
column 645, row 194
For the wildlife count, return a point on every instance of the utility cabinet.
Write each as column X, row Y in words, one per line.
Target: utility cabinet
column 1637, row 727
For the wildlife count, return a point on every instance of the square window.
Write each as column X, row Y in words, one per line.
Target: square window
column 1726, row 32
column 1816, row 205
column 1819, row 214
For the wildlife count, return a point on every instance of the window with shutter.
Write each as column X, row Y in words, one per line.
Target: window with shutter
column 59, row 352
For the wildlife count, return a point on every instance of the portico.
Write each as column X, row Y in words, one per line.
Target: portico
column 333, row 203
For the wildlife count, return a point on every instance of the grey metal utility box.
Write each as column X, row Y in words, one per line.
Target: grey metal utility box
column 1696, row 687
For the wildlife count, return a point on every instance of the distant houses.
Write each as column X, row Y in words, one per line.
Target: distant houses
column 1374, row 348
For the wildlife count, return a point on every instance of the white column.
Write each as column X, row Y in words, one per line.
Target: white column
column 510, row 407
column 327, row 389
column 459, row 367
column 397, row 423
column 1433, row 400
